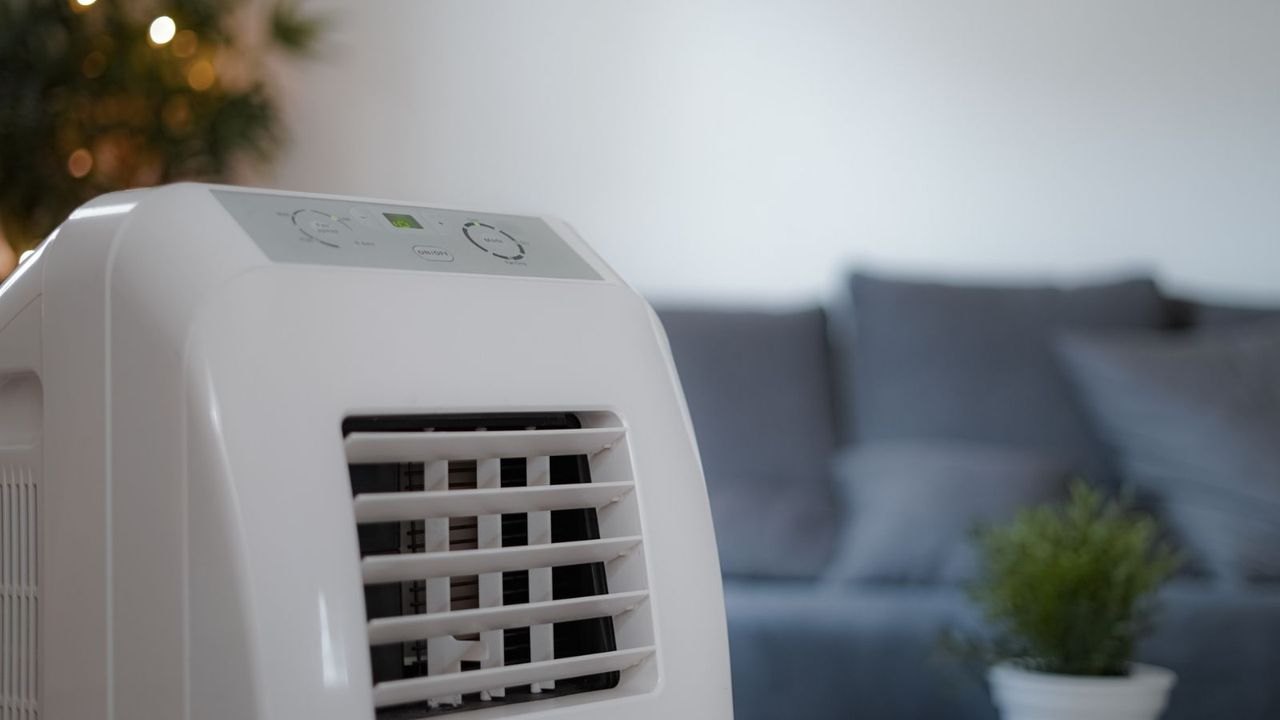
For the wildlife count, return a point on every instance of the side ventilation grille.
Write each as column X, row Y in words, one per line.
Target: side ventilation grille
column 19, row 598
column 20, row 472
column 501, row 557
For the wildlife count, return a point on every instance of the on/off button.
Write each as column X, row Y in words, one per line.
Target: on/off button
column 432, row 253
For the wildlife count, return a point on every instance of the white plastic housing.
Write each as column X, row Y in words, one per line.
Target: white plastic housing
column 174, row 400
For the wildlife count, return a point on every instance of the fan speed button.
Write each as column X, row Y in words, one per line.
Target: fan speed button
column 322, row 227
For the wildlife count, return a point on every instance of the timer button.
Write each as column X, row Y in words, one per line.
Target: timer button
column 498, row 243
column 432, row 253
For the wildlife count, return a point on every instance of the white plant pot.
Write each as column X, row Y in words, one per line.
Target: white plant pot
column 1026, row 695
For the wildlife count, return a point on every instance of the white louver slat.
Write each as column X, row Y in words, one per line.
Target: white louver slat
column 364, row 447
column 542, row 636
column 478, row 548
column 404, row 691
column 489, row 535
column 387, row 507
column 420, row 566
column 421, row 627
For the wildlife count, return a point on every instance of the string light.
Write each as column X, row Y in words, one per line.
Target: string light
column 85, row 3
column 201, row 75
column 184, row 43
column 80, row 163
column 176, row 114
column 162, row 30
column 94, row 64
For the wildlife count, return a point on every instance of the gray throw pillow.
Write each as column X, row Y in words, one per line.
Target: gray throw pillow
column 1194, row 418
column 934, row 361
column 758, row 389
column 911, row 508
column 1207, row 316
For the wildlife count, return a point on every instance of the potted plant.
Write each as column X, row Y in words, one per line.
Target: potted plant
column 1068, row 591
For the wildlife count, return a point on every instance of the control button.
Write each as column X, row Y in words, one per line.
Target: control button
column 432, row 253
column 364, row 216
column 322, row 227
column 498, row 243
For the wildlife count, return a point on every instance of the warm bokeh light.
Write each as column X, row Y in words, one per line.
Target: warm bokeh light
column 80, row 163
column 162, row 29
column 94, row 64
column 176, row 114
column 108, row 95
column 201, row 75
column 185, row 43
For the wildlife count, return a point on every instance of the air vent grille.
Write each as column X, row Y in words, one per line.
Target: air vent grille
column 501, row 556
column 19, row 596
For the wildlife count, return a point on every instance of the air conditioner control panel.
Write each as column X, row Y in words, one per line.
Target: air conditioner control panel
column 330, row 231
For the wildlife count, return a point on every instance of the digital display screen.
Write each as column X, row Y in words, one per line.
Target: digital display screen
column 406, row 222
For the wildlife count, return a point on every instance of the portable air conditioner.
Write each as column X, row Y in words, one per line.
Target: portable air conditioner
column 272, row 455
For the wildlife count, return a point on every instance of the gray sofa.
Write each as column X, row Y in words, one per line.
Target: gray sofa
column 773, row 399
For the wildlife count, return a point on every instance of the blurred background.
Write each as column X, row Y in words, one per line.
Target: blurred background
column 749, row 150
column 932, row 257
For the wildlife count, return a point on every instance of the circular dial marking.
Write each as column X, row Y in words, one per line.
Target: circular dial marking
column 321, row 227
column 498, row 243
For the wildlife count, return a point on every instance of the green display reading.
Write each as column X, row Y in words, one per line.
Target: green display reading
column 407, row 222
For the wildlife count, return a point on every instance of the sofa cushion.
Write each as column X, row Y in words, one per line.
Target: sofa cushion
column 758, row 390
column 970, row 363
column 870, row 653
column 1195, row 419
column 911, row 507
column 1210, row 316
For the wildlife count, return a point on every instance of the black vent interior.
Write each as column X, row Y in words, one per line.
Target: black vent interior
column 409, row 659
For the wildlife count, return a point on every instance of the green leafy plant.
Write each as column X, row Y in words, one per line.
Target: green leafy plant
column 102, row 95
column 1070, row 589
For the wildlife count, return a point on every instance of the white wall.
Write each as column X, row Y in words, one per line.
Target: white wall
column 742, row 149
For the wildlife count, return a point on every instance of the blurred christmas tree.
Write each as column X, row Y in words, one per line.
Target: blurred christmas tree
column 101, row 95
